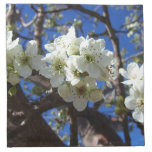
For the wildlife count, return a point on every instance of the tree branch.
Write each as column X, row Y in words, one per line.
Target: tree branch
column 37, row 132
column 133, row 56
column 45, row 12
column 86, row 11
column 39, row 27
column 23, row 37
column 119, row 85
column 95, row 129
column 73, row 127
column 29, row 23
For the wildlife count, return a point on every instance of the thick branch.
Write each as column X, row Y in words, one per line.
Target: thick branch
column 119, row 85
column 36, row 132
column 95, row 130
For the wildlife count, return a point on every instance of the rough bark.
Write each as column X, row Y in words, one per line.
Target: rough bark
column 31, row 130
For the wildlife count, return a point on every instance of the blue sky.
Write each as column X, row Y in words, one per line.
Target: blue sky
column 117, row 19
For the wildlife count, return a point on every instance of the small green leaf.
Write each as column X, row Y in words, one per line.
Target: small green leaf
column 12, row 91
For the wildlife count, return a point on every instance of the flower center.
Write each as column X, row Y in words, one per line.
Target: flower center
column 77, row 73
column 81, row 91
column 58, row 65
column 89, row 58
column 134, row 76
column 140, row 103
column 24, row 60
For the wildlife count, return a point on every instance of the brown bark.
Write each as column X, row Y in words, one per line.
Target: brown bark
column 32, row 130
column 39, row 27
column 95, row 130
column 118, row 84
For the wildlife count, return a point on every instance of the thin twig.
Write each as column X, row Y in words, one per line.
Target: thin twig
column 133, row 56
column 23, row 37
column 29, row 23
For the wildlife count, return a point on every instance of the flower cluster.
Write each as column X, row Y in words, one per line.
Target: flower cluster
column 74, row 66
column 135, row 100
column 20, row 63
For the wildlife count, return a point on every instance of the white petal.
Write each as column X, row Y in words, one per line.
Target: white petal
column 123, row 72
column 130, row 102
column 80, row 104
column 9, row 36
column 90, row 82
column 75, row 81
column 133, row 70
column 50, row 47
column 48, row 57
column 46, row 72
column 65, row 92
column 96, row 95
column 57, row 80
column 80, row 64
column 128, row 82
column 106, row 58
column 24, row 71
column 31, row 48
column 138, row 115
column 37, row 63
column 101, row 42
column 141, row 72
column 93, row 70
column 71, row 33
column 132, row 67
column 13, row 44
column 139, row 86
column 13, row 78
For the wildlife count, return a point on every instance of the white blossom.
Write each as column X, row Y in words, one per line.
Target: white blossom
column 74, row 66
column 28, row 60
column 72, row 74
column 133, row 73
column 57, row 62
column 13, row 47
column 68, row 43
column 86, row 90
column 135, row 101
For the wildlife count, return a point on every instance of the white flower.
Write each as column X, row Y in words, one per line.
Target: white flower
column 135, row 101
column 133, row 73
column 67, row 43
column 56, row 68
column 72, row 74
column 28, row 60
column 86, row 90
column 90, row 56
column 13, row 48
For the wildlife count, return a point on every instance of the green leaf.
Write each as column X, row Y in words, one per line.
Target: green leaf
column 12, row 91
